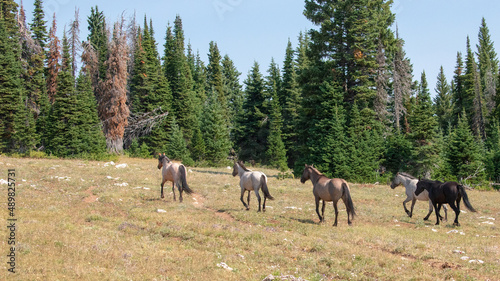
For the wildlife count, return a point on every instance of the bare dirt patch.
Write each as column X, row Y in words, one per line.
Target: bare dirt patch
column 91, row 196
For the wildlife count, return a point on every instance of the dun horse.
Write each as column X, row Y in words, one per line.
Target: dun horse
column 329, row 190
column 410, row 184
column 176, row 173
column 251, row 180
column 445, row 193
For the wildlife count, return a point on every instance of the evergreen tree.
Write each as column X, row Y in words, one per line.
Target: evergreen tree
column 252, row 120
column 53, row 66
column 365, row 150
column 234, row 93
column 398, row 153
column 488, row 66
column 474, row 103
column 349, row 36
column 291, row 97
column 215, row 130
column 401, row 82
column 112, row 108
column 463, row 151
column 176, row 145
column 11, row 98
column 424, row 127
column 442, row 102
column 177, row 71
column 457, row 88
column 214, row 73
column 38, row 26
column 98, row 39
column 63, row 134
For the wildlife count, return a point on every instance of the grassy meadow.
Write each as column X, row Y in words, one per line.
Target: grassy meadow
column 84, row 220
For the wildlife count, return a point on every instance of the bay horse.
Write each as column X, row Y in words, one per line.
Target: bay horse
column 410, row 184
column 176, row 173
column 251, row 180
column 449, row 193
column 329, row 190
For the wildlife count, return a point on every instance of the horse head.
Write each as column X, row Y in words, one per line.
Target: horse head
column 162, row 157
column 396, row 181
column 235, row 169
column 421, row 185
column 306, row 174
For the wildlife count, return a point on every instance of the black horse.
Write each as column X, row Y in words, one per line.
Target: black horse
column 449, row 192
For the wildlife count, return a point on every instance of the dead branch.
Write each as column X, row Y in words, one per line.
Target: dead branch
column 141, row 124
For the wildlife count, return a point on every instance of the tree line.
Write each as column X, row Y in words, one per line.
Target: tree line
column 344, row 98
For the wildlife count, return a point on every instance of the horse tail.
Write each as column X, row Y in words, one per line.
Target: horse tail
column 466, row 198
column 263, row 182
column 183, row 177
column 348, row 200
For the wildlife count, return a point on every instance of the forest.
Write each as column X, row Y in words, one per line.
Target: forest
column 344, row 99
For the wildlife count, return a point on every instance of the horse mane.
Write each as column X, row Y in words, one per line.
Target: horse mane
column 243, row 166
column 408, row 175
column 316, row 170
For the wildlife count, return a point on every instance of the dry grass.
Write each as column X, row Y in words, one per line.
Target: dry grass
column 91, row 227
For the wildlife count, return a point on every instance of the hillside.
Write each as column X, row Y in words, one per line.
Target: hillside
column 91, row 221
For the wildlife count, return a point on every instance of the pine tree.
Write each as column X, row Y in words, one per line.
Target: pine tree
column 252, row 121
column 348, row 36
column 488, row 67
column 53, row 57
column 442, row 101
column 402, row 81
column 291, row 97
column 176, row 145
column 365, row 148
column 11, row 98
column 38, row 26
column 458, row 91
column 215, row 130
column 98, row 39
column 234, row 93
column 179, row 76
column 112, row 107
column 214, row 73
column 463, row 152
column 424, row 127
column 63, row 137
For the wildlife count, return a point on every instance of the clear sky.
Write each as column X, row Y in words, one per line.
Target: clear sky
column 258, row 30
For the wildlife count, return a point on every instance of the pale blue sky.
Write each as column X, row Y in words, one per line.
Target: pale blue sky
column 258, row 30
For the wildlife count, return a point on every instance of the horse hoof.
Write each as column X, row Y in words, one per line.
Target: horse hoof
column 456, row 224
column 426, row 219
column 334, row 224
column 162, row 196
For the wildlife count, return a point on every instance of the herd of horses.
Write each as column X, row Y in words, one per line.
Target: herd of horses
column 330, row 190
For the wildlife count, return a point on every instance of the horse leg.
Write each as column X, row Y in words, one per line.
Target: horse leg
column 445, row 213
column 162, row 196
column 437, row 207
column 173, row 190
column 457, row 211
column 323, row 210
column 241, row 198
column 179, row 187
column 258, row 197
column 430, row 211
column 408, row 198
column 336, row 212
column 412, row 205
column 317, row 208
column 248, row 199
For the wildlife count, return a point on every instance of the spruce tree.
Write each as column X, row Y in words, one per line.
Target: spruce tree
column 291, row 97
column 252, row 120
column 177, row 71
column 401, row 82
column 424, row 128
column 38, row 26
column 63, row 137
column 234, row 93
column 488, row 67
column 53, row 66
column 457, row 88
column 11, row 99
column 98, row 39
column 463, row 150
column 176, row 145
column 214, row 73
column 442, row 101
column 215, row 130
